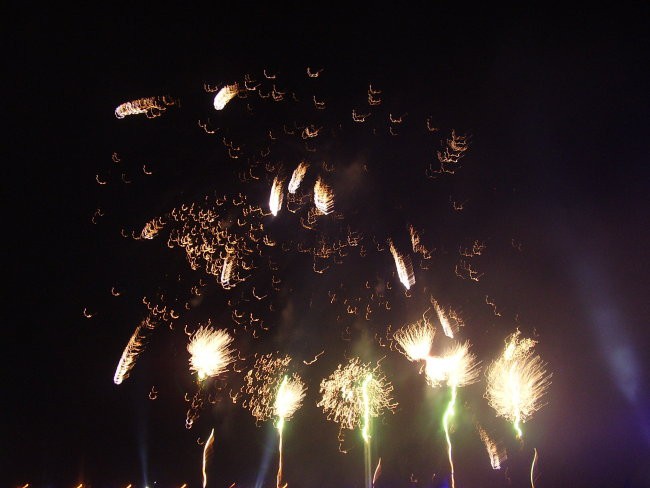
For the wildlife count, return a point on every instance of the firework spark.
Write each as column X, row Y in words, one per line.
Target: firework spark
column 262, row 387
column 288, row 399
column 323, row 197
column 275, row 200
column 210, row 354
column 516, row 381
column 404, row 267
column 343, row 394
column 415, row 340
column 497, row 455
column 133, row 349
column 207, row 449
column 150, row 106
column 297, row 176
column 224, row 95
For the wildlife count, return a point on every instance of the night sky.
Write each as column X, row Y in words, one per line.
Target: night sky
column 555, row 183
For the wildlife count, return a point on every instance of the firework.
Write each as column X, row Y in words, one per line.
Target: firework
column 516, row 381
column 261, row 386
column 457, row 367
column 444, row 319
column 275, row 200
column 497, row 455
column 297, row 177
column 416, row 340
column 224, row 95
column 323, row 197
column 404, row 267
column 133, row 349
column 150, row 106
column 210, row 354
column 342, row 398
column 288, row 399
column 207, row 449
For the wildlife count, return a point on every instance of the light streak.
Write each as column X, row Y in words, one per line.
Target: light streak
column 516, row 381
column 133, row 348
column 449, row 412
column 416, row 340
column 365, row 429
column 404, row 267
column 496, row 454
column 532, row 468
column 209, row 352
column 275, row 200
column 297, row 176
column 444, row 320
column 150, row 106
column 224, row 95
column 207, row 449
column 323, row 197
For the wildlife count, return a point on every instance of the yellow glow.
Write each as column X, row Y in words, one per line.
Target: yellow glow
column 133, row 348
column 150, row 106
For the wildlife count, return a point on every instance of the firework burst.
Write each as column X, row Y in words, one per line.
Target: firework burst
column 209, row 352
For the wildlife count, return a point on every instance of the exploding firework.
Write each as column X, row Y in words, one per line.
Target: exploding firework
column 210, row 354
column 288, row 399
column 275, row 200
column 351, row 390
column 416, row 340
column 516, row 381
column 224, row 95
column 150, row 106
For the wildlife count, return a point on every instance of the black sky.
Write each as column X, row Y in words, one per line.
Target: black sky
column 557, row 101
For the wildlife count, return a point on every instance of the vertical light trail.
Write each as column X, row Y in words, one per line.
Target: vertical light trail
column 445, row 422
column 280, row 427
column 532, row 467
column 365, row 430
column 206, row 451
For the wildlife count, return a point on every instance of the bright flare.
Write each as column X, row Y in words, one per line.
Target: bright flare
column 457, row 367
column 224, row 95
column 416, row 340
column 297, row 177
column 275, row 200
column 516, row 381
column 288, row 399
column 210, row 354
column 404, row 267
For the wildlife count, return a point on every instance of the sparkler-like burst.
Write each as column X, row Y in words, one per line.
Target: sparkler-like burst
column 354, row 390
column 416, row 340
column 262, row 384
column 133, row 349
column 288, row 399
column 210, row 354
column 516, row 381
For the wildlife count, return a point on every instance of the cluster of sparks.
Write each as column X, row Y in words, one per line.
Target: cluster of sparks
column 517, row 380
column 236, row 240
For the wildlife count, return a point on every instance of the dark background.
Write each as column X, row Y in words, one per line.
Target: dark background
column 557, row 101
